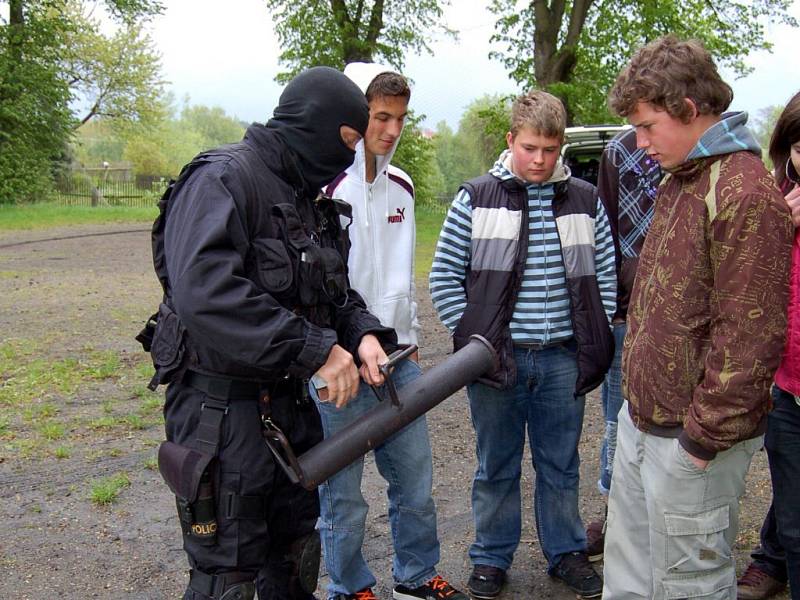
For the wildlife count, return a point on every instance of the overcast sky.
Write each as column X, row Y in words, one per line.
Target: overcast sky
column 225, row 54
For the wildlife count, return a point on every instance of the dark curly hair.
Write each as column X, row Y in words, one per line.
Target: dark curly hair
column 786, row 133
column 667, row 71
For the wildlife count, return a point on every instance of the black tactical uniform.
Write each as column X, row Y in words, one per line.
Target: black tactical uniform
column 256, row 295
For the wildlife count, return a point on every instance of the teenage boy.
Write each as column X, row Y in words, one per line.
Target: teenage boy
column 381, row 267
column 525, row 258
column 706, row 325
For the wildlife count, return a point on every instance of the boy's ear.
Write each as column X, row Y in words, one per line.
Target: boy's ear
column 693, row 112
column 509, row 139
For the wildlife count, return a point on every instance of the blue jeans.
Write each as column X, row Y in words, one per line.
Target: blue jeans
column 543, row 402
column 404, row 461
column 782, row 442
column 611, row 395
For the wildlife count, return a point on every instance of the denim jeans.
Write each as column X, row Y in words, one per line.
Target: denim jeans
column 672, row 525
column 611, row 395
column 404, row 461
column 782, row 442
column 543, row 403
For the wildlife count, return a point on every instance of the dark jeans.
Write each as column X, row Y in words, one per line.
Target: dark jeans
column 779, row 553
column 244, row 467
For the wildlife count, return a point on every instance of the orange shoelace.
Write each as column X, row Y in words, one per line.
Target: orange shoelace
column 441, row 587
column 365, row 595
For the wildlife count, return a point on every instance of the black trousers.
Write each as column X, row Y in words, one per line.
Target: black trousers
column 260, row 543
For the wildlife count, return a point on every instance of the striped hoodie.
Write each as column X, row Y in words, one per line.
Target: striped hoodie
column 542, row 306
column 541, row 312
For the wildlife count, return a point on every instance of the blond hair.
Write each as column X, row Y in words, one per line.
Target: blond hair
column 541, row 112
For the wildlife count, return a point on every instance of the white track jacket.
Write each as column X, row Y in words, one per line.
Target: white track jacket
column 382, row 234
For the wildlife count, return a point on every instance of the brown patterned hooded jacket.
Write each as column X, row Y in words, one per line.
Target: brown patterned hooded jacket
column 707, row 317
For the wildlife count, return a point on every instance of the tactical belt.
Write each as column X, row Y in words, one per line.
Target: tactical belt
column 223, row 388
column 228, row 389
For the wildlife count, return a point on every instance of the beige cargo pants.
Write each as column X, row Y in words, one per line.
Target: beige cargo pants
column 671, row 525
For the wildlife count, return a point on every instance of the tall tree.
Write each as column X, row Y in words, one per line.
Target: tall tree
column 576, row 49
column 117, row 76
column 338, row 32
column 36, row 122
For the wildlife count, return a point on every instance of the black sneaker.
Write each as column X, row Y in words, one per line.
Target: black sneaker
column 574, row 570
column 436, row 589
column 595, row 540
column 486, row 582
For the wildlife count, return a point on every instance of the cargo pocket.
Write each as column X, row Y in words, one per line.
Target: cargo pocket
column 698, row 557
column 167, row 349
column 274, row 271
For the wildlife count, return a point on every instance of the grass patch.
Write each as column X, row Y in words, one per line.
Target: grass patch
column 106, row 490
column 51, row 430
column 46, row 214
column 429, row 224
column 150, row 463
column 29, row 376
column 62, row 452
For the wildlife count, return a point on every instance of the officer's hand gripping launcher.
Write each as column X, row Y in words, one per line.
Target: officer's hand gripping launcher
column 416, row 398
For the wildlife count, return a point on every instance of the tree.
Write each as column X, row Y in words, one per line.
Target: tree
column 576, row 49
column 338, row 32
column 474, row 148
column 416, row 156
column 36, row 121
column 117, row 76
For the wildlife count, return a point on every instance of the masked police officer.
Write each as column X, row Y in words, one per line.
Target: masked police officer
column 256, row 302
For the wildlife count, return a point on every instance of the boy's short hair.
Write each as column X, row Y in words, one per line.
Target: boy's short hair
column 388, row 83
column 540, row 112
column 667, row 71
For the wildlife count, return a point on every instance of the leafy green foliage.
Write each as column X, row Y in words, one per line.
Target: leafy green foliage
column 479, row 141
column 416, row 156
column 338, row 32
column 49, row 55
column 577, row 55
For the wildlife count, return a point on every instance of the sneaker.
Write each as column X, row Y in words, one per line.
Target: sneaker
column 595, row 540
column 486, row 582
column 579, row 575
column 436, row 589
column 365, row 594
column 757, row 584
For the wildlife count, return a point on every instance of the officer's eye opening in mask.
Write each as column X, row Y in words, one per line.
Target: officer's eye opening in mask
column 350, row 136
column 312, row 111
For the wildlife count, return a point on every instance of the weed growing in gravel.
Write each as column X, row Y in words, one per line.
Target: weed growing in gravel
column 62, row 452
column 51, row 430
column 150, row 463
column 105, row 491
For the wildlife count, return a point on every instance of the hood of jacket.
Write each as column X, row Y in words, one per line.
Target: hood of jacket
column 730, row 134
column 311, row 110
column 502, row 170
column 362, row 75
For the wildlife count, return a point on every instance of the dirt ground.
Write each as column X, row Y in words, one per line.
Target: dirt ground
column 69, row 297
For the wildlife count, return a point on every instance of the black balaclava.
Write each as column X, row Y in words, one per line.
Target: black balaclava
column 311, row 109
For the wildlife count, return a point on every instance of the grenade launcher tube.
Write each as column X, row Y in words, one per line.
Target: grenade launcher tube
column 416, row 398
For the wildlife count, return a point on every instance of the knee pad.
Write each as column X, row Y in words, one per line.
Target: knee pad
column 240, row 591
column 304, row 555
column 225, row 586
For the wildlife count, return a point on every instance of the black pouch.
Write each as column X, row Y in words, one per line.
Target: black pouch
column 167, row 347
column 320, row 272
column 187, row 472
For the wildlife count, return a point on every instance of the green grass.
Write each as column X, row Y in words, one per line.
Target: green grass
column 28, row 376
column 105, row 491
column 429, row 224
column 43, row 215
